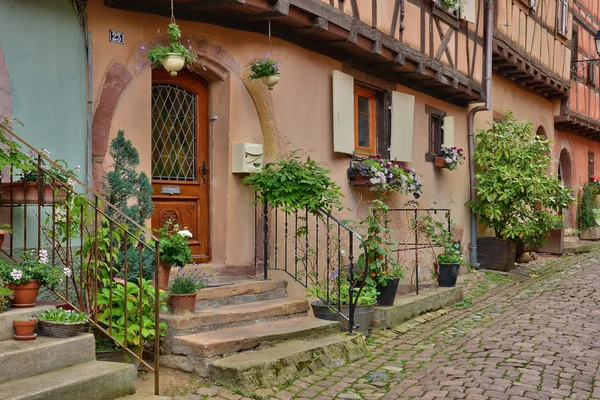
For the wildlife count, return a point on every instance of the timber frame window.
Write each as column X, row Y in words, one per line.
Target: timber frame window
column 365, row 125
column 440, row 132
column 562, row 23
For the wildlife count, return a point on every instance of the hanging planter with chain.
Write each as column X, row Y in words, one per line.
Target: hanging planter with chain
column 266, row 69
column 174, row 56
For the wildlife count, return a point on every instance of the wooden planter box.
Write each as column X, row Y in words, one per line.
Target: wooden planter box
column 360, row 180
column 496, row 254
column 590, row 233
column 440, row 162
column 29, row 193
column 555, row 243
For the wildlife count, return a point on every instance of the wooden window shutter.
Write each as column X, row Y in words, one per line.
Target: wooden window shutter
column 448, row 132
column 343, row 113
column 403, row 115
column 469, row 10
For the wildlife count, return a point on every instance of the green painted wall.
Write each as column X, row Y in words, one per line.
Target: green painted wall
column 44, row 50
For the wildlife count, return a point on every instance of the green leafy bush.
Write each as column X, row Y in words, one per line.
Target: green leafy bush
column 586, row 216
column 5, row 295
column 62, row 315
column 515, row 195
column 292, row 184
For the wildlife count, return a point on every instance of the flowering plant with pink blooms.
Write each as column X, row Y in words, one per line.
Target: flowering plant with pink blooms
column 453, row 157
column 33, row 267
column 387, row 176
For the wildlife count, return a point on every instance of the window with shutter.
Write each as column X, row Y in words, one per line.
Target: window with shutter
column 563, row 17
column 403, row 115
column 436, row 131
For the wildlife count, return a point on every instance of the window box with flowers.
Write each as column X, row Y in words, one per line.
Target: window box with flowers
column 449, row 157
column 384, row 176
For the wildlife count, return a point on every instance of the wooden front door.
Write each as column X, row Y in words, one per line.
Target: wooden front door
column 180, row 156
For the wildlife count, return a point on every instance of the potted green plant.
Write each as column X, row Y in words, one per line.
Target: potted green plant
column 183, row 286
column 5, row 296
column 555, row 241
column 174, row 56
column 437, row 234
column 365, row 298
column 587, row 217
column 138, row 328
column 26, row 277
column 61, row 323
column 265, row 69
column 449, row 265
column 24, row 328
column 515, row 195
column 174, row 252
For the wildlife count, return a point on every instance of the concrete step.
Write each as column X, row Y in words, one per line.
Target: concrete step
column 6, row 319
column 275, row 365
column 231, row 340
column 23, row 359
column 93, row 380
column 232, row 316
column 240, row 293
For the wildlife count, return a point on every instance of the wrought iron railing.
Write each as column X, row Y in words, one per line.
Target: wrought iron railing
column 92, row 242
column 318, row 251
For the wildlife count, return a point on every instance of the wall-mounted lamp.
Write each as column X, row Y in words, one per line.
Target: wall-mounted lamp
column 577, row 67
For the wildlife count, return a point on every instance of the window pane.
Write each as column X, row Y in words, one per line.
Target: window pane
column 363, row 131
column 363, row 104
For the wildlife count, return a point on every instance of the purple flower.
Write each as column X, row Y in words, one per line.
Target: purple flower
column 280, row 62
column 267, row 54
column 143, row 48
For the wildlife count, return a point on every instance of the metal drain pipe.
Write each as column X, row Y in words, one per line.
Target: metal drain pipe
column 487, row 80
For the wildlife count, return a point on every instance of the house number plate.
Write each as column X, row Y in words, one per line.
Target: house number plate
column 116, row 37
column 170, row 190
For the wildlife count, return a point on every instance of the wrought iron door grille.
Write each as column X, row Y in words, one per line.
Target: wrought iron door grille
column 173, row 133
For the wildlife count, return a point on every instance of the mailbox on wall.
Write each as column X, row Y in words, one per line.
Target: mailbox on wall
column 246, row 158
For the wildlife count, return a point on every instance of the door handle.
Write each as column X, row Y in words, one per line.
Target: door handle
column 204, row 170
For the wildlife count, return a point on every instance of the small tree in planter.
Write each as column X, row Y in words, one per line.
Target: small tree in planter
column 172, row 57
column 555, row 241
column 516, row 197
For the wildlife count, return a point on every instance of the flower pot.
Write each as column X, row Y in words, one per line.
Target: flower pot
column 173, row 63
column 440, row 162
column 590, row 233
column 120, row 356
column 363, row 315
column 24, row 330
column 24, row 293
column 555, row 243
column 164, row 271
column 359, row 180
column 29, row 193
column 61, row 329
column 270, row 80
column 3, row 234
column 447, row 274
column 496, row 254
column 387, row 294
column 183, row 303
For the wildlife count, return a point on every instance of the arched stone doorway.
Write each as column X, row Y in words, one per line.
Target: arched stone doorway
column 565, row 174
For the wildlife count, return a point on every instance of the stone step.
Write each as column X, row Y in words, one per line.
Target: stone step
column 93, row 380
column 275, row 365
column 6, row 319
column 240, row 293
column 232, row 316
column 138, row 396
column 21, row 359
column 231, row 340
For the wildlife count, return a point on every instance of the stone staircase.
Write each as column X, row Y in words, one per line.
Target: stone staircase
column 57, row 369
column 251, row 335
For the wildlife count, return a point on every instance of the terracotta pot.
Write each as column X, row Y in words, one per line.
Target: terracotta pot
column 25, row 293
column 24, row 330
column 270, row 80
column 183, row 303
column 3, row 234
column 29, row 193
column 360, row 180
column 440, row 162
column 164, row 269
column 173, row 63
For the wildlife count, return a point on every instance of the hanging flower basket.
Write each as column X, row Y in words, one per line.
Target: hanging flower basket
column 266, row 69
column 173, row 63
column 172, row 57
column 270, row 80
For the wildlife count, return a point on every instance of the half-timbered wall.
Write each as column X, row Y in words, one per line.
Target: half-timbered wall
column 532, row 45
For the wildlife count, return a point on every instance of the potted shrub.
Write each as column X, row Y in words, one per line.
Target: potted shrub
column 449, row 157
column 24, row 329
column 438, row 234
column 365, row 298
column 449, row 265
column 26, row 277
column 182, row 290
column 5, row 296
column 140, row 318
column 384, row 176
column 174, row 56
column 515, row 195
column 265, row 69
column 555, row 241
column 587, row 217
column 61, row 323
column 174, row 252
